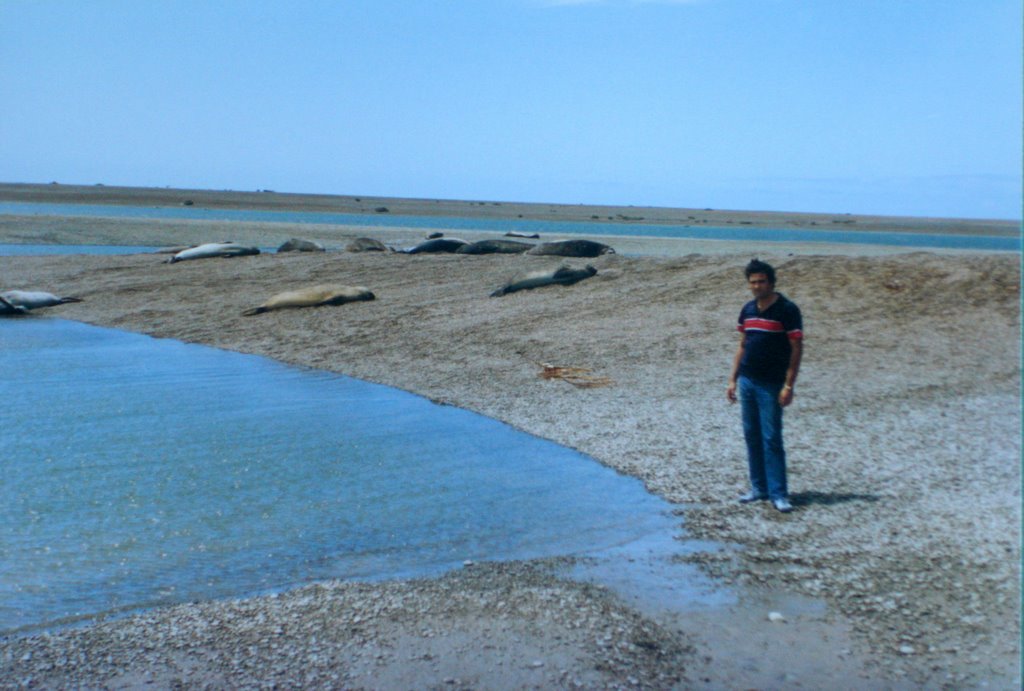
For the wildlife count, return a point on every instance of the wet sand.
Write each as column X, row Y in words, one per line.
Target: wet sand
column 900, row 566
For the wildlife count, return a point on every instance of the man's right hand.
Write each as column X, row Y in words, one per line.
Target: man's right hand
column 730, row 392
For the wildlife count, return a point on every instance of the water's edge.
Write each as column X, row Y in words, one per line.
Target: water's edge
column 605, row 510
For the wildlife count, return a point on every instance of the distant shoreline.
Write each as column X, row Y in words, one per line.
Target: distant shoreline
column 55, row 193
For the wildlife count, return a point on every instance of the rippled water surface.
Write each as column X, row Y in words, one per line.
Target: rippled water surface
column 139, row 471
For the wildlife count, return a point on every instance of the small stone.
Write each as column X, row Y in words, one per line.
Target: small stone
column 776, row 617
column 906, row 650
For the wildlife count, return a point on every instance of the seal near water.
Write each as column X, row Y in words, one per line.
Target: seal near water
column 313, row 296
column 366, row 245
column 22, row 301
column 437, row 245
column 213, row 249
column 572, row 248
column 518, row 234
column 495, row 247
column 564, row 275
column 300, row 245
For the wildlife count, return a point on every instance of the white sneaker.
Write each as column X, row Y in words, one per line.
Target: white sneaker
column 751, row 496
column 782, row 505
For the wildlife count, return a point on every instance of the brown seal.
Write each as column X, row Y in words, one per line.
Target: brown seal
column 300, row 245
column 313, row 296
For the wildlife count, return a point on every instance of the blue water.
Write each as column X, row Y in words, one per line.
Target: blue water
column 917, row 240
column 40, row 250
column 140, row 472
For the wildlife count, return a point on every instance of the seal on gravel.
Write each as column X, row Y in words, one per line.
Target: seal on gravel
column 313, row 296
column 572, row 248
column 301, row 245
column 437, row 245
column 22, row 301
column 564, row 275
column 366, row 245
column 213, row 249
column 495, row 247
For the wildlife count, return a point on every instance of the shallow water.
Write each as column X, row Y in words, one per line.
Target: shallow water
column 922, row 240
column 7, row 250
column 140, row 471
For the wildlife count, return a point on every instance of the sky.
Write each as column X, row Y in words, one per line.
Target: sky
column 893, row 107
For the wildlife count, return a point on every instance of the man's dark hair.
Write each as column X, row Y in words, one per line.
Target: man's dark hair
column 756, row 266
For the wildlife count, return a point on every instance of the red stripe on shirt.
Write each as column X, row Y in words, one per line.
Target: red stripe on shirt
column 755, row 324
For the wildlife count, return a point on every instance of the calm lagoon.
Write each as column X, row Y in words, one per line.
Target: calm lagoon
column 919, row 240
column 141, row 472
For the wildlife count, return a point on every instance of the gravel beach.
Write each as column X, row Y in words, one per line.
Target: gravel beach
column 900, row 567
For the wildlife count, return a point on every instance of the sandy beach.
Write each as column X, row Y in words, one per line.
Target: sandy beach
column 900, row 567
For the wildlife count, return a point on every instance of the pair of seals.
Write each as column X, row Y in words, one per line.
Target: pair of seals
column 21, row 301
column 313, row 296
column 564, row 248
column 213, row 249
column 564, row 275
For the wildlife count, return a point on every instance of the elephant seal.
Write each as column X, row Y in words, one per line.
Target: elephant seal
column 564, row 275
column 213, row 249
column 21, row 301
column 494, row 247
column 437, row 245
column 572, row 248
column 300, row 245
column 313, row 296
column 366, row 245
column 517, row 234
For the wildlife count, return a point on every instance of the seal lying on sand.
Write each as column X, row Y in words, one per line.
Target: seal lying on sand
column 21, row 301
column 300, row 245
column 313, row 296
column 366, row 245
column 437, row 245
column 494, row 247
column 564, row 275
column 213, row 249
column 572, row 248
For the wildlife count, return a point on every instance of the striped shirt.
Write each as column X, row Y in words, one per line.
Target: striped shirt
column 768, row 335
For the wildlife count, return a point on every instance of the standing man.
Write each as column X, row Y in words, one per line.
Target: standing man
column 765, row 370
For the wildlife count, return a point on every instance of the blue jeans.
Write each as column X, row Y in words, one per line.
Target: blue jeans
column 762, row 430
